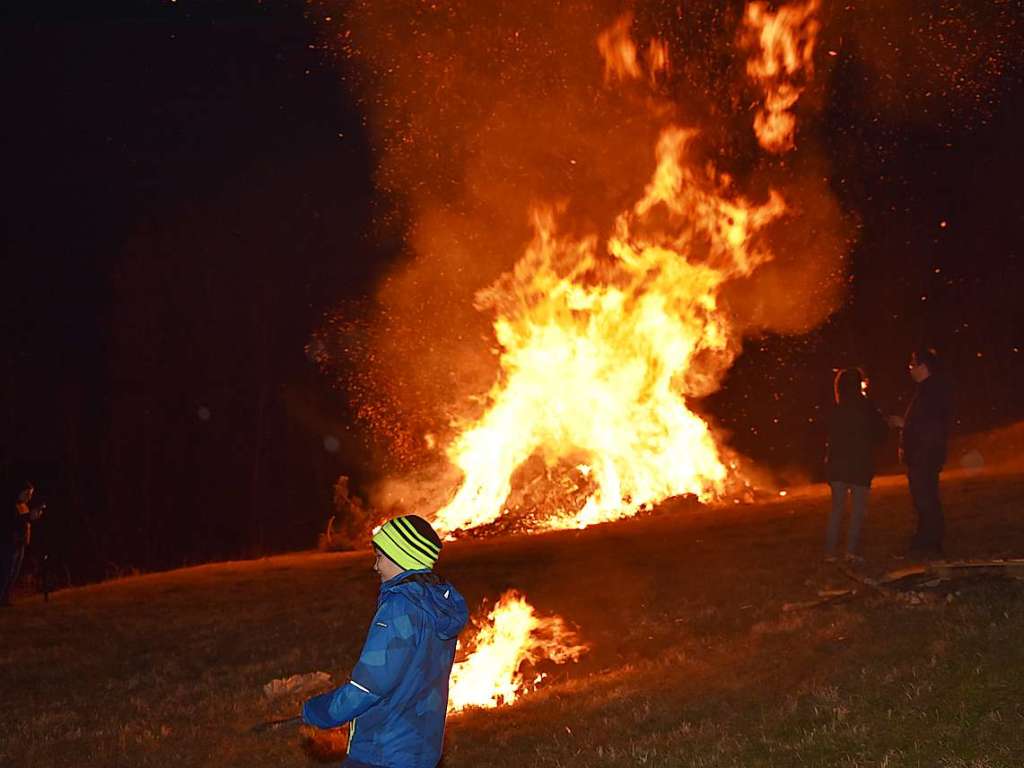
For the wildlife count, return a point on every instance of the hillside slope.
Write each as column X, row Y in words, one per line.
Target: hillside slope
column 693, row 660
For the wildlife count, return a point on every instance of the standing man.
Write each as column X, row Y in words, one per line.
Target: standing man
column 923, row 441
column 397, row 698
column 17, row 535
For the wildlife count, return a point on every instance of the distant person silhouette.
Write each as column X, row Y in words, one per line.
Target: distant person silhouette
column 17, row 535
column 855, row 430
column 923, row 444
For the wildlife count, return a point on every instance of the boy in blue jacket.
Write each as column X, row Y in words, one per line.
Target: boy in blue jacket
column 397, row 698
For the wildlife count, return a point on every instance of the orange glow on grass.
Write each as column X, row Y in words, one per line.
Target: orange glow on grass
column 512, row 637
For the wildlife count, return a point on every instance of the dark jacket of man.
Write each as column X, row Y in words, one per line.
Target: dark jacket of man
column 23, row 518
column 855, row 430
column 926, row 425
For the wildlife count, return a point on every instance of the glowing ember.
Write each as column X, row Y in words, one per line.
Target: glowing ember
column 785, row 46
column 513, row 636
column 600, row 349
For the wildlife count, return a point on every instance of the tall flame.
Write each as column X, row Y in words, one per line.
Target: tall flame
column 784, row 46
column 618, row 50
column 513, row 636
column 601, row 351
column 621, row 57
column 657, row 58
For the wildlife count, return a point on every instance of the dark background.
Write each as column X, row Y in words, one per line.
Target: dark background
column 188, row 190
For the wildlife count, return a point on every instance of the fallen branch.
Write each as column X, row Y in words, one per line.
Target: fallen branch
column 900, row 583
column 825, row 597
column 1013, row 569
column 860, row 578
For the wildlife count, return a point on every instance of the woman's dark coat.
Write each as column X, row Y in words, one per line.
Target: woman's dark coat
column 855, row 430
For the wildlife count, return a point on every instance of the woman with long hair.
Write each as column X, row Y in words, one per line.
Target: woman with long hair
column 855, row 429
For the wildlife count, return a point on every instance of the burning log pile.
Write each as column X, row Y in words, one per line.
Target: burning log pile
column 540, row 492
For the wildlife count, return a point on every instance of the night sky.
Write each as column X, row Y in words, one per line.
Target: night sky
column 189, row 191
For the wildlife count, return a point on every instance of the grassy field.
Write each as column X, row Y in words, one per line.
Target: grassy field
column 693, row 662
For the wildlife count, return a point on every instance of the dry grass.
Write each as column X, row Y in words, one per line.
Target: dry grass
column 693, row 663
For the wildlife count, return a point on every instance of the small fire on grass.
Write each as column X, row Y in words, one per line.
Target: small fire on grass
column 502, row 665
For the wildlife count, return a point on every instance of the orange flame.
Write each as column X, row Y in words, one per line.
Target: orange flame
column 618, row 50
column 785, row 43
column 657, row 58
column 600, row 350
column 492, row 674
column 621, row 58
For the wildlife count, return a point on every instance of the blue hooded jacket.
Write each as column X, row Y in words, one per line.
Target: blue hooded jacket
column 397, row 698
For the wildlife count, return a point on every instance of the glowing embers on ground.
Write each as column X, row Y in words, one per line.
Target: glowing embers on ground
column 512, row 640
column 601, row 348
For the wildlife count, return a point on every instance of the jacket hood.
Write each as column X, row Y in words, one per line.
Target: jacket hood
column 441, row 602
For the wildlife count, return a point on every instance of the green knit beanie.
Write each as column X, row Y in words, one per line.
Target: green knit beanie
column 409, row 542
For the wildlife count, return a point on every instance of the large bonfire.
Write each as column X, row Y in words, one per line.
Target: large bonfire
column 604, row 344
column 602, row 347
column 606, row 333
